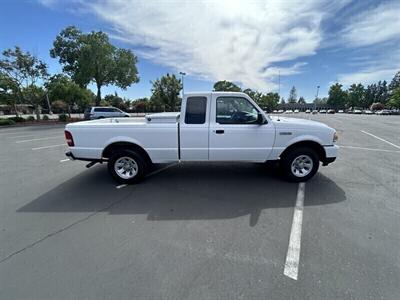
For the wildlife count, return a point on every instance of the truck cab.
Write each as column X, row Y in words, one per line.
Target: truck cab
column 222, row 126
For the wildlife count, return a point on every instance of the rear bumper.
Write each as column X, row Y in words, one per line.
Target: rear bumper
column 331, row 154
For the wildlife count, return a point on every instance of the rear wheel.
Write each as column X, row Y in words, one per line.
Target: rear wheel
column 127, row 166
column 300, row 164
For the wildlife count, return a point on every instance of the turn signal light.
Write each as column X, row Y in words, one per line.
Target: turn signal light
column 69, row 138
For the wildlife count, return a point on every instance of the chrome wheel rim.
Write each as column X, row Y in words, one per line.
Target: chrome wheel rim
column 126, row 167
column 302, row 166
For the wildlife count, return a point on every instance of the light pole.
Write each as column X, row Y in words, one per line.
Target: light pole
column 316, row 97
column 183, row 87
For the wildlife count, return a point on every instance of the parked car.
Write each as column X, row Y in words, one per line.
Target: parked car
column 308, row 111
column 331, row 111
column 274, row 111
column 281, row 111
column 368, row 112
column 385, row 112
column 340, row 111
column 289, row 111
column 296, row 111
column 101, row 112
column 322, row 111
column 357, row 112
column 314, row 112
column 212, row 126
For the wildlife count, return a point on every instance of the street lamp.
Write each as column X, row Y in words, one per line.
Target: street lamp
column 316, row 97
column 183, row 88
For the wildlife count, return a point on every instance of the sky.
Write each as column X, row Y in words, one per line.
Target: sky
column 267, row 45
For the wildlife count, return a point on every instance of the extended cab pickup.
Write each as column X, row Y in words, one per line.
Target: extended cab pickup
column 213, row 126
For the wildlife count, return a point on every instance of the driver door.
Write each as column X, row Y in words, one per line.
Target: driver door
column 234, row 132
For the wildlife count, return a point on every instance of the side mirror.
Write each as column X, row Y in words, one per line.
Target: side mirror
column 260, row 119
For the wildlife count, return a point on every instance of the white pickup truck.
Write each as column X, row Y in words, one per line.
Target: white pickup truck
column 212, row 126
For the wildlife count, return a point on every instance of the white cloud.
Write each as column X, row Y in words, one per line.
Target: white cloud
column 376, row 25
column 241, row 41
column 367, row 76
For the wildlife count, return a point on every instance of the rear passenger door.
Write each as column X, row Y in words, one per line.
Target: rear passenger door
column 194, row 126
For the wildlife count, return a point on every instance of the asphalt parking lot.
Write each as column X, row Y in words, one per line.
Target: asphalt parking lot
column 202, row 231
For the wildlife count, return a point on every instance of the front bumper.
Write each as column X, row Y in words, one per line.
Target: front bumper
column 331, row 154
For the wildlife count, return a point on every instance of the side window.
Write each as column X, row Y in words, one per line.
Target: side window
column 196, row 110
column 235, row 110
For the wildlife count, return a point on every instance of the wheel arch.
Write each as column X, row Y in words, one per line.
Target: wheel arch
column 317, row 147
column 115, row 146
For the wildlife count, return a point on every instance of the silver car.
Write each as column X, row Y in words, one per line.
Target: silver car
column 101, row 112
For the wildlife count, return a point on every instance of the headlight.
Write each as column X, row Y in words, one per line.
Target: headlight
column 335, row 137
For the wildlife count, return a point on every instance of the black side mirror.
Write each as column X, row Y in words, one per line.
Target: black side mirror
column 260, row 119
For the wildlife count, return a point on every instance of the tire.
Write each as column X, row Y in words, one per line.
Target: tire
column 127, row 166
column 300, row 164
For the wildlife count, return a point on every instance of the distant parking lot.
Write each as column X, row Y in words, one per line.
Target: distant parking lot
column 201, row 231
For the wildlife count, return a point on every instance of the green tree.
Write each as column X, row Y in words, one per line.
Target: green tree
column 62, row 88
column 24, row 72
column 292, row 95
column 356, row 93
column 116, row 101
column 301, row 100
column 337, row 97
column 166, row 92
column 282, row 101
column 395, row 98
column 8, row 90
column 256, row 96
column 395, row 83
column 144, row 105
column 226, row 86
column 92, row 58
column 269, row 101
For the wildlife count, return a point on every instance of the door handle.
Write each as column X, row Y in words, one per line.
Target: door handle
column 219, row 131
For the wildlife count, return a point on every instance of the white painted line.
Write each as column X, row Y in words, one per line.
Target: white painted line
column 64, row 160
column 40, row 139
column 369, row 149
column 293, row 254
column 20, row 136
column 51, row 146
column 121, row 186
column 381, row 139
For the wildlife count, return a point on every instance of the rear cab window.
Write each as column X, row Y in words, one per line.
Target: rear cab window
column 196, row 108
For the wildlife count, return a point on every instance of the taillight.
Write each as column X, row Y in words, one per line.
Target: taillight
column 69, row 138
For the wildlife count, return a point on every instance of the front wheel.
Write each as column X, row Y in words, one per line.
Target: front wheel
column 300, row 164
column 127, row 166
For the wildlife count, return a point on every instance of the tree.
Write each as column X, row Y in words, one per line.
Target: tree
column 226, row 86
column 256, row 96
column 62, row 88
column 8, row 93
column 142, row 105
column 356, row 94
column 337, row 97
column 282, row 101
column 301, row 100
column 269, row 101
column 91, row 58
column 377, row 106
column 166, row 92
column 395, row 83
column 292, row 95
column 24, row 71
column 116, row 101
column 395, row 98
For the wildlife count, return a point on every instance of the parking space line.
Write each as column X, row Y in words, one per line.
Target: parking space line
column 369, row 149
column 381, row 139
column 120, row 186
column 51, row 146
column 64, row 160
column 293, row 254
column 40, row 139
